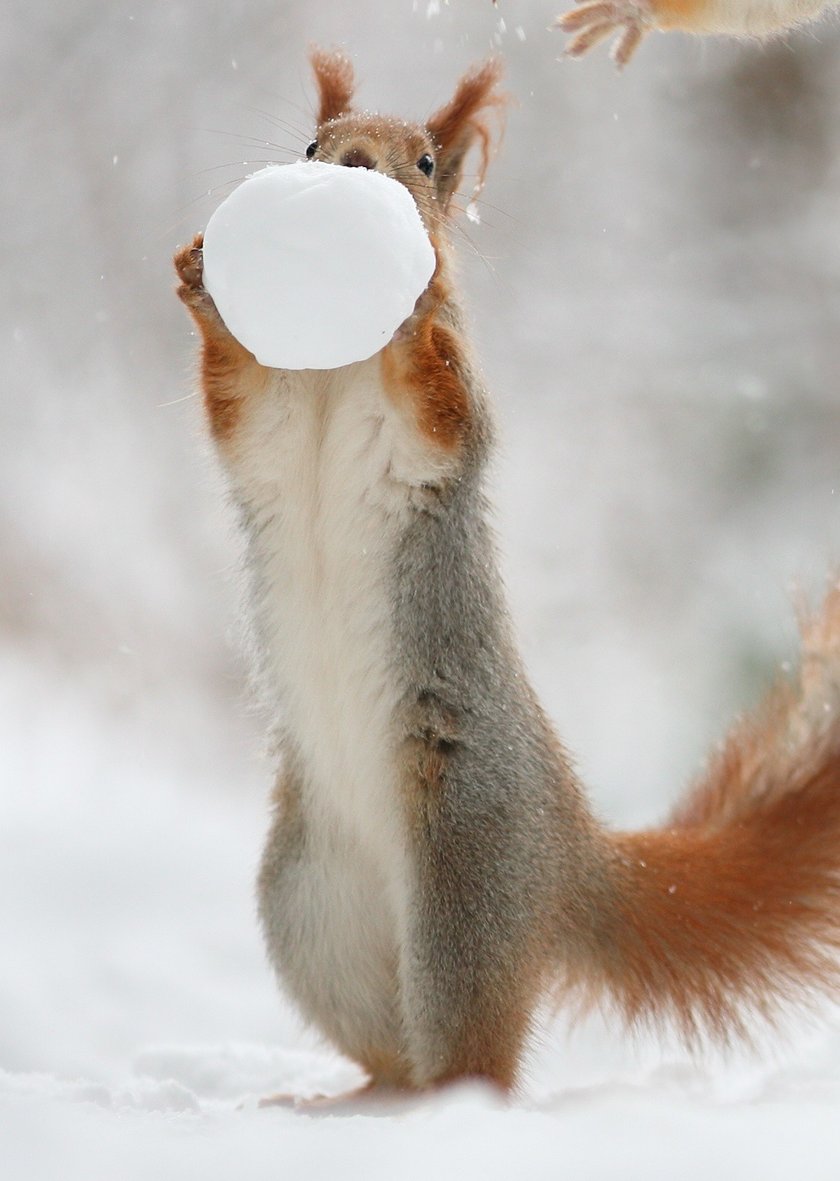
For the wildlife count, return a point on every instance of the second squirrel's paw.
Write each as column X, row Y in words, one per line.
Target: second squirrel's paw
column 595, row 20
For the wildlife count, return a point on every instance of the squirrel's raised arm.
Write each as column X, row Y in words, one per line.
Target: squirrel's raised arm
column 630, row 20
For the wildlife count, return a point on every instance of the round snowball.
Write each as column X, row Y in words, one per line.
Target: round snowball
column 313, row 265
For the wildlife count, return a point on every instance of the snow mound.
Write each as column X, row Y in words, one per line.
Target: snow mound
column 240, row 1071
column 314, row 266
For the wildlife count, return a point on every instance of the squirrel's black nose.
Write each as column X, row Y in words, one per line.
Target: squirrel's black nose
column 357, row 158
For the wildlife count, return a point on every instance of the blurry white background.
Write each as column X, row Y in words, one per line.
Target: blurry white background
column 655, row 291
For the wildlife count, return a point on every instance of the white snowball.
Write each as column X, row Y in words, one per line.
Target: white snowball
column 313, row 266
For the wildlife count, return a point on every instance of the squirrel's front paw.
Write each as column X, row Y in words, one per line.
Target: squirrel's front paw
column 189, row 264
column 595, row 20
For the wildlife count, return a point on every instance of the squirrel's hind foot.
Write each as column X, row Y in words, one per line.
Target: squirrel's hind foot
column 371, row 1096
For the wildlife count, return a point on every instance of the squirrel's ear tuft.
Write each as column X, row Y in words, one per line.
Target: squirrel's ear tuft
column 336, row 83
column 462, row 122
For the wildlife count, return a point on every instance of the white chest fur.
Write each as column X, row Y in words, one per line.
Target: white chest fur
column 328, row 469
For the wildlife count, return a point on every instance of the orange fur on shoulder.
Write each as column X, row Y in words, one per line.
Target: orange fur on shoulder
column 423, row 370
column 225, row 366
column 228, row 371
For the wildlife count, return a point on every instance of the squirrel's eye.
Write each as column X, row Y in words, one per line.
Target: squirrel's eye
column 426, row 164
column 311, row 149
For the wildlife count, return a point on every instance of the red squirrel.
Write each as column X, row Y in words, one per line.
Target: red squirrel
column 594, row 21
column 433, row 870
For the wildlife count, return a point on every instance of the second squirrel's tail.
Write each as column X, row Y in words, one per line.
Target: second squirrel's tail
column 732, row 909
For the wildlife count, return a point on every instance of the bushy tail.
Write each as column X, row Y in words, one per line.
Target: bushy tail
column 733, row 908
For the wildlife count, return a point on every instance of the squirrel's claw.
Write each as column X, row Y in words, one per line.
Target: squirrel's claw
column 596, row 20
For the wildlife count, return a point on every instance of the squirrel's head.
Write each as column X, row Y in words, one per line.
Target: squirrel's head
column 427, row 158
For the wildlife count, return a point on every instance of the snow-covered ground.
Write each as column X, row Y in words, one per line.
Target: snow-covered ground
column 657, row 308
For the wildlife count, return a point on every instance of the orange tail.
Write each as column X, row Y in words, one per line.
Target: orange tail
column 733, row 908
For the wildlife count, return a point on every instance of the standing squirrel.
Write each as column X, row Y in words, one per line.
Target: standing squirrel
column 594, row 21
column 433, row 870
